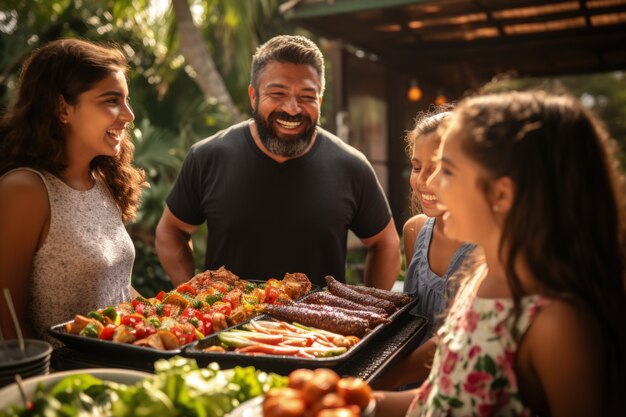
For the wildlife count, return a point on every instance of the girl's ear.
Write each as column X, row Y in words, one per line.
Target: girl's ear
column 502, row 195
column 63, row 110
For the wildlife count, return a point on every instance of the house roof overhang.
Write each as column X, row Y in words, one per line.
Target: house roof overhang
column 474, row 40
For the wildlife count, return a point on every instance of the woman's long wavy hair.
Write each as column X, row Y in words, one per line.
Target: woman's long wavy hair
column 568, row 220
column 31, row 133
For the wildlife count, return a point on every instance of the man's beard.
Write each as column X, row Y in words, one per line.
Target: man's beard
column 288, row 146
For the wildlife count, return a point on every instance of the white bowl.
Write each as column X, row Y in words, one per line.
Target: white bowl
column 10, row 394
column 254, row 408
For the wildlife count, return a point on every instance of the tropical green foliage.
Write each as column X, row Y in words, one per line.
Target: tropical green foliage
column 171, row 111
column 604, row 93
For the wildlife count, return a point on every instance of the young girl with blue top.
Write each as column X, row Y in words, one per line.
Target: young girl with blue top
column 433, row 256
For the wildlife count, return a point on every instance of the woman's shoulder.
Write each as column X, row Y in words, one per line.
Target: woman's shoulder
column 27, row 191
column 23, row 181
column 410, row 230
column 557, row 326
column 413, row 225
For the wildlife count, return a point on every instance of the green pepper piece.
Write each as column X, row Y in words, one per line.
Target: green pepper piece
column 213, row 298
column 95, row 315
column 110, row 312
column 90, row 330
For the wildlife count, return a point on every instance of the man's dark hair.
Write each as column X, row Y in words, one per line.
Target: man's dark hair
column 293, row 49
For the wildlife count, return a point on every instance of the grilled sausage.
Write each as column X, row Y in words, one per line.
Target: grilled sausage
column 400, row 299
column 372, row 318
column 342, row 290
column 333, row 322
column 326, row 298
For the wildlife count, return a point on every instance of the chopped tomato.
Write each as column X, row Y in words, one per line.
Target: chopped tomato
column 234, row 298
column 164, row 310
column 271, row 294
column 108, row 332
column 207, row 320
column 222, row 307
column 143, row 330
column 139, row 307
column 131, row 319
column 183, row 333
column 186, row 288
column 189, row 312
column 160, row 295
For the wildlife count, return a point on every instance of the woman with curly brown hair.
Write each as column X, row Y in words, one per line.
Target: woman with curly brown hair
column 67, row 186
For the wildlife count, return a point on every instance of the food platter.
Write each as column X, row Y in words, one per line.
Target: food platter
column 279, row 363
column 114, row 350
column 106, row 347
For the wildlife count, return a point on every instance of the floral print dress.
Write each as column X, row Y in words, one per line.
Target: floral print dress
column 473, row 370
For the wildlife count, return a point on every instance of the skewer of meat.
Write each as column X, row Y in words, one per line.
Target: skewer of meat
column 400, row 299
column 335, row 322
column 326, row 298
column 342, row 290
column 372, row 318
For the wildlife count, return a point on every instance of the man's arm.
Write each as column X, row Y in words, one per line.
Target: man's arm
column 174, row 247
column 383, row 260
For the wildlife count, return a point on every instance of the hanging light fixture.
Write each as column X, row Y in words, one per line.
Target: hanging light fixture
column 441, row 98
column 414, row 93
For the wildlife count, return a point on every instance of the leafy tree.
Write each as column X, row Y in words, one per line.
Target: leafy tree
column 171, row 107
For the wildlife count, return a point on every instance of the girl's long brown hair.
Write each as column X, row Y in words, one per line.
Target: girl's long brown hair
column 568, row 220
column 31, row 134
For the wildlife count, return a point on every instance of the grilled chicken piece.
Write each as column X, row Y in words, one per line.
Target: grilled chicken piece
column 296, row 285
column 170, row 341
column 154, row 341
column 80, row 322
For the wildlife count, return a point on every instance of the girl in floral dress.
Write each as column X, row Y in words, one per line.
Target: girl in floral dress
column 539, row 325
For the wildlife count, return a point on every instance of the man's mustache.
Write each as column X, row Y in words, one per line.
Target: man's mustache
column 288, row 118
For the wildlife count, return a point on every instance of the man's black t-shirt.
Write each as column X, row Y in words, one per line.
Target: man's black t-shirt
column 266, row 218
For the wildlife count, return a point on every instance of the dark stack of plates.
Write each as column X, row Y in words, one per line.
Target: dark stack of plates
column 34, row 361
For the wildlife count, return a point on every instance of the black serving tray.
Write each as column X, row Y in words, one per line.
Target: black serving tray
column 113, row 350
column 280, row 363
column 107, row 348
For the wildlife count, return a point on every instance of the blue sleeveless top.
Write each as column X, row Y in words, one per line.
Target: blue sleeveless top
column 430, row 288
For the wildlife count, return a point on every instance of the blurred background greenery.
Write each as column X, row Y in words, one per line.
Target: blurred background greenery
column 173, row 110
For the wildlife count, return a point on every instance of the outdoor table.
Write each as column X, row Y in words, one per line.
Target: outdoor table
column 369, row 363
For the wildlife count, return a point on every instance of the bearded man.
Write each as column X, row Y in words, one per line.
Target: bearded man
column 279, row 193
